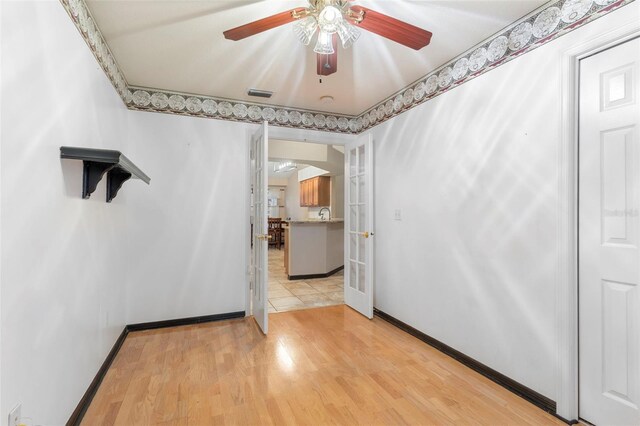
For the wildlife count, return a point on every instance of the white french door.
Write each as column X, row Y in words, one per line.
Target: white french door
column 260, row 243
column 358, row 262
column 609, row 234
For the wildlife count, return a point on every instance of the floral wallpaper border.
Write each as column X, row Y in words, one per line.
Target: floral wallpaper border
column 552, row 20
column 79, row 13
column 138, row 98
column 227, row 109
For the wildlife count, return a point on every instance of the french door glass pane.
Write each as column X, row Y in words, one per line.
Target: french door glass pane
column 353, row 193
column 362, row 219
column 353, row 166
column 353, row 246
column 361, row 277
column 361, row 158
column 353, row 270
column 353, row 218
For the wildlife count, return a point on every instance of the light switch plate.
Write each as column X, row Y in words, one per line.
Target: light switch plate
column 14, row 415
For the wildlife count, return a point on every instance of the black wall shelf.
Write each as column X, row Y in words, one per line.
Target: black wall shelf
column 97, row 162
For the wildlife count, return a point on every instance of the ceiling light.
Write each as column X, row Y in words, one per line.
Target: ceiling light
column 324, row 44
column 329, row 19
column 285, row 166
column 326, row 99
column 305, row 28
column 348, row 34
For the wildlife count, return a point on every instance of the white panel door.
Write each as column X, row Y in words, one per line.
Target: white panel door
column 260, row 243
column 358, row 258
column 609, row 221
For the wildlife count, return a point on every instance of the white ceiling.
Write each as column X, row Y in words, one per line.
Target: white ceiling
column 178, row 45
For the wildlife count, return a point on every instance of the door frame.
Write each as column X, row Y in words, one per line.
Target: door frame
column 567, row 309
column 275, row 133
column 0, row 209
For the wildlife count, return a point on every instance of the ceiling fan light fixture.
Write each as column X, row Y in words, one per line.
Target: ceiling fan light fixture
column 348, row 34
column 305, row 28
column 324, row 45
column 329, row 19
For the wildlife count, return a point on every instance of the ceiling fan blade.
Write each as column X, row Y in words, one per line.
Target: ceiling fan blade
column 261, row 25
column 328, row 64
column 393, row 29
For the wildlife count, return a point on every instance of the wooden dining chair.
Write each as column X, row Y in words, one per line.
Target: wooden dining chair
column 275, row 232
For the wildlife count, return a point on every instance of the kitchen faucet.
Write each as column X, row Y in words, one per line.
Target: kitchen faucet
column 322, row 215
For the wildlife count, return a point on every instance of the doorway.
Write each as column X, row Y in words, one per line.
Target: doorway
column 306, row 225
column 323, row 248
column 608, row 235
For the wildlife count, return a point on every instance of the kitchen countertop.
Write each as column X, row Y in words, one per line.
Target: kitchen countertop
column 337, row 220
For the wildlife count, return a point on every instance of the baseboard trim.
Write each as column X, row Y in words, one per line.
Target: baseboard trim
column 519, row 389
column 567, row 421
column 311, row 276
column 85, row 401
column 184, row 321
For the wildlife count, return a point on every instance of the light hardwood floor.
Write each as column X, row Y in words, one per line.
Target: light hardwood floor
column 286, row 295
column 317, row 366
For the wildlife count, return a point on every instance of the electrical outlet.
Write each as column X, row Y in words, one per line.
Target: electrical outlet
column 398, row 214
column 14, row 415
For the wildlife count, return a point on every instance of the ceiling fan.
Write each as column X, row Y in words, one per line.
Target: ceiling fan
column 335, row 19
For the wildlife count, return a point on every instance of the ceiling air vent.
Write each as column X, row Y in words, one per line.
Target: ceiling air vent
column 260, row 93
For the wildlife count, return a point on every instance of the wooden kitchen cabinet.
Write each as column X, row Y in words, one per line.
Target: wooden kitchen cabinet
column 315, row 192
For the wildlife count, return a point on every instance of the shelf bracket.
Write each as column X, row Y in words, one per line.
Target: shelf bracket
column 92, row 173
column 115, row 178
column 97, row 162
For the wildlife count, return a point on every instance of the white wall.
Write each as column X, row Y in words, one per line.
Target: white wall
column 278, row 181
column 292, row 204
column 296, row 150
column 337, row 196
column 474, row 260
column 76, row 271
column 63, row 258
column 1, row 412
column 186, row 230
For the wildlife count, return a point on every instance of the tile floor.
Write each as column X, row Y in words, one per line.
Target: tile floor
column 286, row 295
